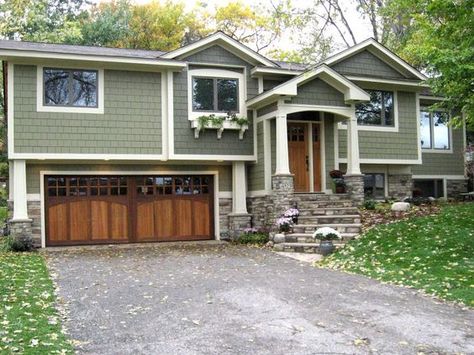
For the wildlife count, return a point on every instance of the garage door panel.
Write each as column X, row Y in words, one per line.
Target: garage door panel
column 79, row 220
column 99, row 220
column 201, row 218
column 57, row 226
column 184, row 218
column 164, row 219
column 145, row 221
column 119, row 220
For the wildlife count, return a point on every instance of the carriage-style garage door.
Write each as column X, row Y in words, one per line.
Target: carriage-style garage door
column 125, row 209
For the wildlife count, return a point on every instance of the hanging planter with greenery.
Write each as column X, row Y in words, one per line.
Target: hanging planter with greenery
column 220, row 123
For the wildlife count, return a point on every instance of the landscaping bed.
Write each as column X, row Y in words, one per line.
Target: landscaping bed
column 433, row 253
column 29, row 322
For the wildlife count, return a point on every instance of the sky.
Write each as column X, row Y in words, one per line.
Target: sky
column 359, row 25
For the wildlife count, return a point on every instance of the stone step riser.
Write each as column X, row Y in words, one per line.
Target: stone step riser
column 328, row 220
column 340, row 229
column 310, row 249
column 323, row 205
column 309, row 240
column 327, row 212
column 320, row 197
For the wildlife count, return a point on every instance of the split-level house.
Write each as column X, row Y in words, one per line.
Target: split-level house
column 120, row 145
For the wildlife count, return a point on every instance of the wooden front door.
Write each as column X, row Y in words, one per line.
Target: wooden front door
column 316, row 156
column 121, row 209
column 298, row 155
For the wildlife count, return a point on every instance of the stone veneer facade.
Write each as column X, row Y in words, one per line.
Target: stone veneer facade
column 400, row 186
column 455, row 188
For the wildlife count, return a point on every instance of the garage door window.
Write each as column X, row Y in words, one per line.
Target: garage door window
column 172, row 185
column 87, row 186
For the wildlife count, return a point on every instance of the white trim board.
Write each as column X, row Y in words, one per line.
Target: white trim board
column 385, row 161
column 438, row 177
column 214, row 173
column 41, row 107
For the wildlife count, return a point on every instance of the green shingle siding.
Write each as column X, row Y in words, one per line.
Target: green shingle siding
column 267, row 109
column 256, row 172
column 207, row 143
column 366, row 64
column 443, row 163
column 33, row 171
column 389, row 145
column 270, row 84
column 131, row 123
column 318, row 92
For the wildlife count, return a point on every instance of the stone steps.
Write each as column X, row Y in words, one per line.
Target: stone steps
column 314, row 205
column 327, row 211
column 301, row 247
column 329, row 219
column 340, row 227
column 308, row 238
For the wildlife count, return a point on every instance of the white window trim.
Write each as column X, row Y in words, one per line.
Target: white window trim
column 216, row 73
column 432, row 149
column 40, row 107
column 374, row 128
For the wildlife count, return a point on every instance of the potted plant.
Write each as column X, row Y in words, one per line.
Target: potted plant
column 339, row 185
column 326, row 235
column 292, row 213
column 284, row 224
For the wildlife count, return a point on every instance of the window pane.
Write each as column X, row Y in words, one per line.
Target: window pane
column 370, row 113
column 374, row 185
column 425, row 131
column 84, row 88
column 388, row 107
column 56, row 87
column 203, row 94
column 440, row 130
column 227, row 91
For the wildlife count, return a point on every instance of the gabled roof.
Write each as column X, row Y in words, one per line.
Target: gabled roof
column 378, row 50
column 220, row 38
column 351, row 91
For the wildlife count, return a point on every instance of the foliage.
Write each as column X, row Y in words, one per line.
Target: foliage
column 336, row 174
column 291, row 213
column 441, row 42
column 210, row 121
column 284, row 224
column 19, row 243
column 239, row 120
column 258, row 238
column 432, row 253
column 30, row 323
column 369, row 204
column 326, row 233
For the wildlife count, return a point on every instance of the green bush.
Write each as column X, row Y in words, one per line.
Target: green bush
column 370, row 204
column 19, row 243
column 252, row 238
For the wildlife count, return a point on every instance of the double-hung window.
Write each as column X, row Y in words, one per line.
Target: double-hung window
column 434, row 130
column 215, row 94
column 379, row 111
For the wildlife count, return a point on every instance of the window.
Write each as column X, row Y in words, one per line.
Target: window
column 215, row 94
column 434, row 130
column 379, row 111
column 429, row 188
column 70, row 87
column 374, row 185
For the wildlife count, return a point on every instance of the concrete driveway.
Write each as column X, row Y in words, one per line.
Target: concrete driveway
column 220, row 299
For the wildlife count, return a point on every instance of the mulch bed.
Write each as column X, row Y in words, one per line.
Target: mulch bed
column 383, row 215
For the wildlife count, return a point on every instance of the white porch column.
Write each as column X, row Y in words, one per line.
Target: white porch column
column 282, row 162
column 353, row 159
column 239, row 195
column 20, row 210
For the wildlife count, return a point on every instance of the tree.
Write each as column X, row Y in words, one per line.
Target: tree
column 440, row 41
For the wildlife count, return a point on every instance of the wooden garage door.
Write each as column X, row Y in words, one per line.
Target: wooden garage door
column 121, row 209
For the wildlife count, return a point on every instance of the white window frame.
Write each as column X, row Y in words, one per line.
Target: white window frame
column 433, row 149
column 41, row 107
column 376, row 128
column 217, row 73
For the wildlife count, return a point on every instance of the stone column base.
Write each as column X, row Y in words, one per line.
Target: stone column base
column 20, row 227
column 355, row 188
column 238, row 222
column 282, row 194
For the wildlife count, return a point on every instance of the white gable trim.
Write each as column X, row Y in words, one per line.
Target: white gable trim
column 219, row 38
column 290, row 88
column 378, row 47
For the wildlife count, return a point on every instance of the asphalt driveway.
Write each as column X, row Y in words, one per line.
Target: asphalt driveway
column 223, row 299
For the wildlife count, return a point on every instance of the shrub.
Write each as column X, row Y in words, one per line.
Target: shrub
column 326, row 233
column 19, row 243
column 370, row 204
column 253, row 238
column 336, row 174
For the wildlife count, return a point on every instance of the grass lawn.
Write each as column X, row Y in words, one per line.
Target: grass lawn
column 433, row 253
column 29, row 323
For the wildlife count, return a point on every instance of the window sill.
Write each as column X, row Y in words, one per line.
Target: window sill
column 225, row 125
column 437, row 151
column 63, row 109
column 370, row 128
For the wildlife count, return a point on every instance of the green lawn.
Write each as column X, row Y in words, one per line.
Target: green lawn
column 434, row 253
column 29, row 323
